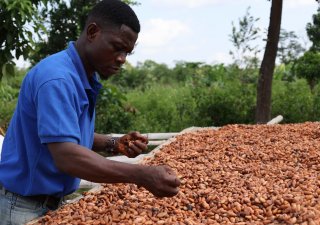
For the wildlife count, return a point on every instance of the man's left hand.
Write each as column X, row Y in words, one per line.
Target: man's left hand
column 132, row 144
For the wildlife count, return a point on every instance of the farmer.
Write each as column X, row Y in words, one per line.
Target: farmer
column 47, row 147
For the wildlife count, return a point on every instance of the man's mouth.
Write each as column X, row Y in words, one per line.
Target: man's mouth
column 115, row 69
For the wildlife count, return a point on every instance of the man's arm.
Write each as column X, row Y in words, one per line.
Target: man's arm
column 78, row 161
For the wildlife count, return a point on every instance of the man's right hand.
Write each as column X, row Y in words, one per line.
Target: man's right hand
column 76, row 160
column 161, row 181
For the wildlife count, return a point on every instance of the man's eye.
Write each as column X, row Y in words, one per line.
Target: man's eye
column 118, row 48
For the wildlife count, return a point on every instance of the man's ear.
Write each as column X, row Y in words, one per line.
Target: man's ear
column 93, row 30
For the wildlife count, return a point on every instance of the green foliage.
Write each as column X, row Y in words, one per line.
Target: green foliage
column 9, row 91
column 212, row 95
column 185, row 70
column 313, row 31
column 207, row 74
column 284, row 72
column 135, row 77
column 289, row 48
column 19, row 21
column 23, row 20
column 245, row 54
column 244, row 35
column 307, row 67
column 8, row 99
column 66, row 20
column 316, row 104
column 163, row 109
column 111, row 115
column 294, row 101
column 225, row 103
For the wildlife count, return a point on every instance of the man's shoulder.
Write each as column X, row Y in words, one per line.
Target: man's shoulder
column 56, row 66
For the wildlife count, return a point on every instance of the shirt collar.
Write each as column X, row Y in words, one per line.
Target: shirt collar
column 73, row 54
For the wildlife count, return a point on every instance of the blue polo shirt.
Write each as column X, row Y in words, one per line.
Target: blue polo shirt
column 56, row 104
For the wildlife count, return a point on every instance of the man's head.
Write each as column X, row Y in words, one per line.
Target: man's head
column 110, row 34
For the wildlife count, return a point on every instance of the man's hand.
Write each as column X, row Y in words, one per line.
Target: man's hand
column 76, row 160
column 131, row 144
column 161, row 181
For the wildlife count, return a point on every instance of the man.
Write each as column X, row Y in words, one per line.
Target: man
column 47, row 145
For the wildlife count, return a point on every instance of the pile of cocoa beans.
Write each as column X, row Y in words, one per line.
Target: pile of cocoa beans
column 238, row 174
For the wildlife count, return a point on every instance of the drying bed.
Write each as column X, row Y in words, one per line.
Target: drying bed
column 238, row 174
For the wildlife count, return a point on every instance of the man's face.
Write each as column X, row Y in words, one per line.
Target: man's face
column 109, row 48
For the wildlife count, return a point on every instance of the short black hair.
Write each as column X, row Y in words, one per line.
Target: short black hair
column 115, row 12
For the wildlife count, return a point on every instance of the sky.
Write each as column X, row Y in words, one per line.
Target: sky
column 198, row 30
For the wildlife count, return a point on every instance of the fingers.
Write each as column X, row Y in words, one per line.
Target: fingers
column 140, row 145
column 168, row 169
column 172, row 179
column 143, row 139
column 161, row 181
column 173, row 192
column 137, row 136
column 168, row 193
column 130, row 153
column 134, row 144
column 134, row 150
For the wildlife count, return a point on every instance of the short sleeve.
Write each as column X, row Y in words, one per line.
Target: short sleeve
column 57, row 117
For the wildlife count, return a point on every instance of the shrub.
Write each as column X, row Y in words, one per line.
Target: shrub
column 225, row 103
column 9, row 91
column 293, row 100
column 163, row 109
column 111, row 115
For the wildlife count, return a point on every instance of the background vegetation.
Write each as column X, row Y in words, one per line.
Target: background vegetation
column 153, row 97
column 208, row 95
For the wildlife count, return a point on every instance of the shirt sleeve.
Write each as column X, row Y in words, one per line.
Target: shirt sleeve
column 57, row 117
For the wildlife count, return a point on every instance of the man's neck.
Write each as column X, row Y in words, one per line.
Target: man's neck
column 79, row 45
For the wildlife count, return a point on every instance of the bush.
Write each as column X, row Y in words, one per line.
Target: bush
column 225, row 103
column 205, row 96
column 9, row 91
column 293, row 100
column 8, row 100
column 316, row 104
column 163, row 109
column 111, row 114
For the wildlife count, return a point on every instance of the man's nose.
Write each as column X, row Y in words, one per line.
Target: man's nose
column 121, row 57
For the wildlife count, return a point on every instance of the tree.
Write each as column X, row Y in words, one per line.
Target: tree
column 65, row 22
column 313, row 31
column 263, row 108
column 245, row 55
column 18, row 21
column 23, row 21
column 184, row 70
column 308, row 67
column 289, row 47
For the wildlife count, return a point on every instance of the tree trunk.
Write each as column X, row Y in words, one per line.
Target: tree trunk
column 263, row 109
